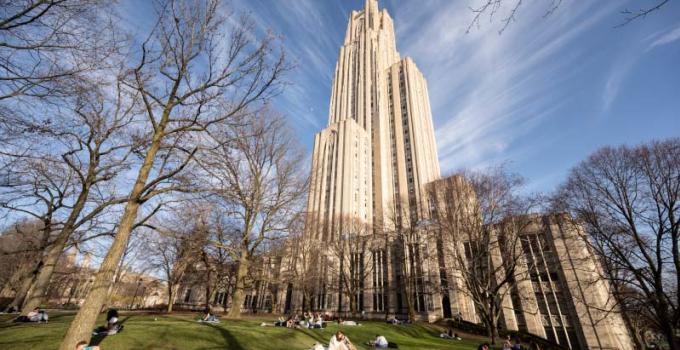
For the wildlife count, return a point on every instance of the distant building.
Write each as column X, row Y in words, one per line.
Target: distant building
column 72, row 281
column 262, row 287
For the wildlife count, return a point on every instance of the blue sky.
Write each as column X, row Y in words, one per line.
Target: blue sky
column 540, row 97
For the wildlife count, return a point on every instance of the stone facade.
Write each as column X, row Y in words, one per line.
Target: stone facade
column 374, row 164
column 371, row 164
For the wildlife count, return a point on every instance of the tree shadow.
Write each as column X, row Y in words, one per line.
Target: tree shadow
column 231, row 341
column 99, row 337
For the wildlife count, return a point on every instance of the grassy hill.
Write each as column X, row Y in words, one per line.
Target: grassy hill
column 181, row 331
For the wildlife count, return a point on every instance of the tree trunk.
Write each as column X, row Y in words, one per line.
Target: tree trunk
column 225, row 300
column 24, row 277
column 208, row 289
column 17, row 278
column 409, row 300
column 637, row 338
column 55, row 250
column 86, row 318
column 352, row 305
column 669, row 333
column 44, row 275
column 492, row 326
column 171, row 297
column 237, row 296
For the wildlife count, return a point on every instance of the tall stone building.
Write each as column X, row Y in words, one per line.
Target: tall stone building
column 367, row 247
column 378, row 149
column 371, row 163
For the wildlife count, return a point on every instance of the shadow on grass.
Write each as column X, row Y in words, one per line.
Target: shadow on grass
column 229, row 338
column 99, row 337
column 9, row 320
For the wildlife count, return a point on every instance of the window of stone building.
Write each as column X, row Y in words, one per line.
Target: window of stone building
column 573, row 338
column 378, row 280
column 549, row 332
column 561, row 336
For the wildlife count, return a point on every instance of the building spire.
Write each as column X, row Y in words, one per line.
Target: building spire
column 370, row 12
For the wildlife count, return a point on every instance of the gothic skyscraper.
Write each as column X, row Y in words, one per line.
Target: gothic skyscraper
column 370, row 245
column 378, row 150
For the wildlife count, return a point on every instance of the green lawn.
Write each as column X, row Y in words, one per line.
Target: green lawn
column 182, row 332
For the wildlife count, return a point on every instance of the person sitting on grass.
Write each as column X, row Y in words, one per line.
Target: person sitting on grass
column 507, row 344
column 484, row 346
column 379, row 343
column 208, row 315
column 318, row 322
column 37, row 315
column 447, row 335
column 112, row 326
column 394, row 321
column 340, row 342
column 82, row 345
column 291, row 322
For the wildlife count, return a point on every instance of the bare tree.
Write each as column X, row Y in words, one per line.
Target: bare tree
column 351, row 259
column 258, row 181
column 218, row 248
column 481, row 217
column 307, row 264
column 44, row 43
column 508, row 10
column 629, row 201
column 44, row 46
column 21, row 245
column 173, row 248
column 94, row 152
column 194, row 73
column 406, row 233
column 37, row 190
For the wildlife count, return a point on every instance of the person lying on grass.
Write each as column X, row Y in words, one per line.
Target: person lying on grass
column 36, row 315
column 112, row 327
column 450, row 335
column 380, row 342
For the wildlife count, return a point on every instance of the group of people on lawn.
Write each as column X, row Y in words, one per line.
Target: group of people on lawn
column 35, row 315
column 510, row 344
column 306, row 320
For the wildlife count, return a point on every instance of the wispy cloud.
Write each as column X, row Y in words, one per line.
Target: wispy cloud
column 488, row 91
column 495, row 98
column 618, row 73
column 666, row 38
column 300, row 22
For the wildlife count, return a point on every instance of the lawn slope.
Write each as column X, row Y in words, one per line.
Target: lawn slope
column 181, row 332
